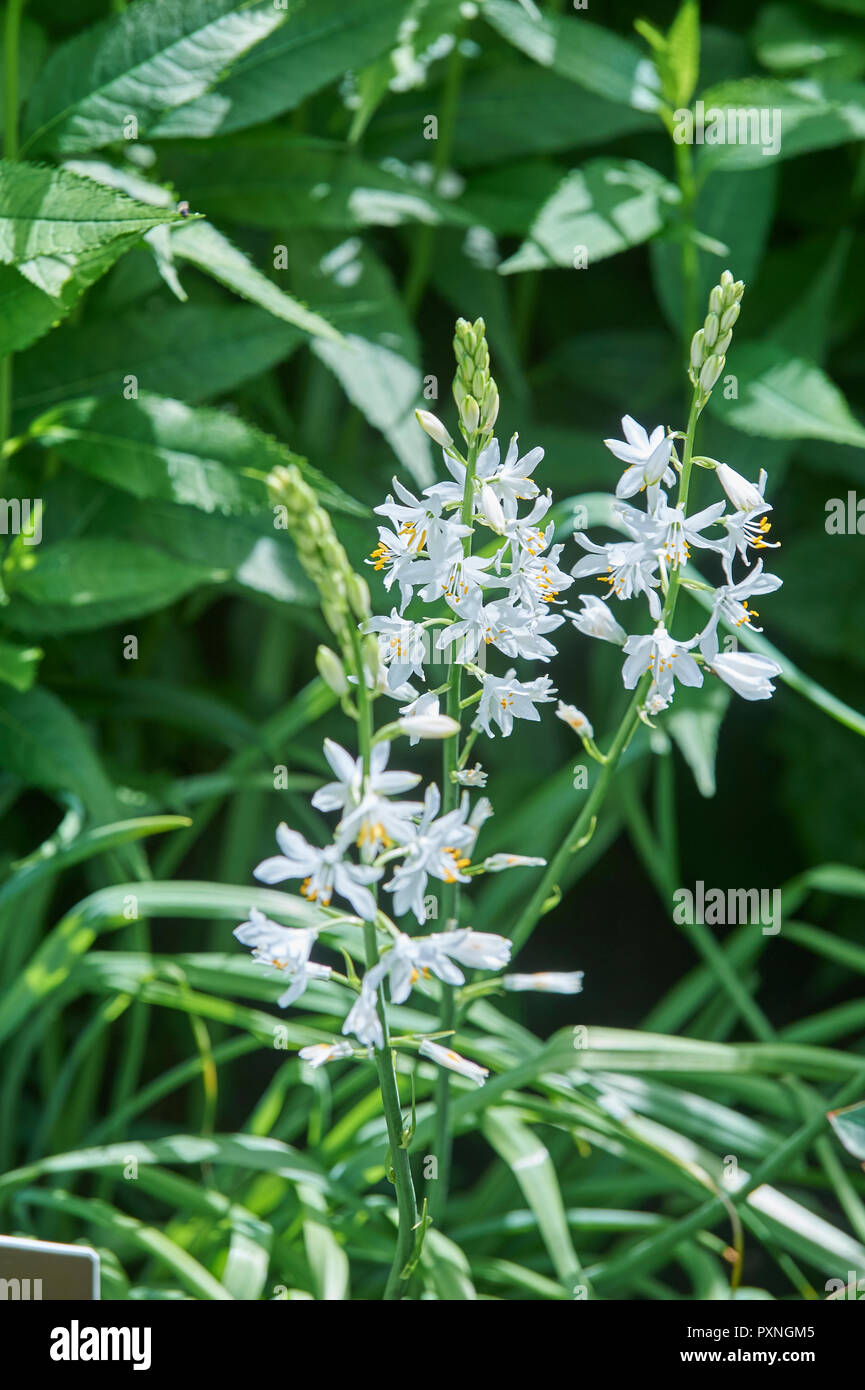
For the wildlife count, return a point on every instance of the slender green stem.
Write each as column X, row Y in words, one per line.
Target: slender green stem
column 422, row 247
column 399, row 1159
column 438, row 1187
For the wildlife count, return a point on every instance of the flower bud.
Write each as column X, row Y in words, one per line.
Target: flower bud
column 429, row 725
column 712, row 369
column 357, row 592
column 331, row 670
column 492, row 509
column 470, row 415
column 722, row 344
column 716, row 300
column 711, row 329
column 433, row 426
column 729, row 316
column 744, row 495
column 726, row 279
column 698, row 350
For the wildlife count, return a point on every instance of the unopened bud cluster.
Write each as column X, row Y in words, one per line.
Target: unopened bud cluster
column 344, row 594
column 475, row 391
column 710, row 343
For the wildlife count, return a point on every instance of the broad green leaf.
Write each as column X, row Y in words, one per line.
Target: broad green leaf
column 190, row 352
column 42, row 743
column 793, row 38
column 114, row 80
column 158, row 448
column 19, row 665
column 207, row 249
column 28, row 311
column 76, row 585
column 509, row 110
column 62, row 232
column 849, row 1125
column 785, row 397
column 770, row 120
column 281, row 183
column 315, row 47
column 327, row 1258
column 586, row 53
column 597, row 211
column 377, row 364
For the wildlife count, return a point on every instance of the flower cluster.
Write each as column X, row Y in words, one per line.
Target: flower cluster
column 661, row 537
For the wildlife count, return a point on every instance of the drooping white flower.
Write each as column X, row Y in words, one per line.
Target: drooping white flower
column 730, row 601
column 422, row 706
column 362, row 1019
column 436, row 849
column 747, row 673
column 497, row 863
column 745, row 496
column 432, row 726
column 284, row 949
column 317, row 1054
column 547, row 982
column 667, row 660
column 647, row 456
column 596, row 620
column 575, row 719
column 446, row 1057
column 745, row 529
column 402, row 647
column 505, row 699
column 324, row 872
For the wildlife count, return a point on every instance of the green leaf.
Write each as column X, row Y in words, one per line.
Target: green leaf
column 76, row 585
column 683, row 51
column 786, row 397
column 316, row 46
column 138, row 64
column 606, row 207
column 781, row 120
column 207, row 249
column 849, row 1125
column 187, row 351
column 62, row 231
column 695, row 726
column 280, row 183
column 19, row 665
column 378, row 362
column 592, row 56
column 532, row 1167
column 161, row 449
column 788, row 38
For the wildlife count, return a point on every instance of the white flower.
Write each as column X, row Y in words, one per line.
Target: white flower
column 471, row 777
column 421, row 524
column 402, row 647
column 505, row 699
column 490, row 510
column 537, row 577
column 746, row 529
column 547, row 982
column 429, row 726
column 747, row 673
column 497, row 863
column 435, row 849
column 283, row 948
column 666, row 659
column 668, row 533
column 730, row 601
column 575, row 719
column 416, row 957
column 362, row 1019
column 397, row 555
column 629, row 567
column 596, row 620
column 446, row 1057
column 456, row 578
column 319, row 1053
column 745, row 496
column 433, row 426
column 324, row 872
column 647, row 456
column 426, row 705
column 369, row 816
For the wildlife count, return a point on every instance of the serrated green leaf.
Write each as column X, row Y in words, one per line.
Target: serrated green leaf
column 785, row 397
column 152, row 57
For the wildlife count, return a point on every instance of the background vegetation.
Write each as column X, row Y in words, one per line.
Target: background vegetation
column 226, row 240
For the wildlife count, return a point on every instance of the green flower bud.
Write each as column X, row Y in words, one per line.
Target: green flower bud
column 331, row 670
column 710, row 329
column 729, row 316
column 470, row 414
column 698, row 350
column 357, row 593
column 433, row 426
column 712, row 369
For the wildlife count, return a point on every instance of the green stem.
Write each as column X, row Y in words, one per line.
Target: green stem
column 400, row 1162
column 420, row 264
column 584, row 824
column 438, row 1187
